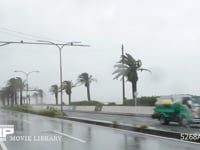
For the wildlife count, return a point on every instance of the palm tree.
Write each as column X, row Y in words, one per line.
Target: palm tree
column 54, row 90
column 86, row 79
column 15, row 85
column 35, row 95
column 67, row 86
column 12, row 88
column 6, row 93
column 128, row 67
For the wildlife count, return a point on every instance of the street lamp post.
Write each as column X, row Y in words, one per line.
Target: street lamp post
column 41, row 42
column 60, row 47
column 26, row 74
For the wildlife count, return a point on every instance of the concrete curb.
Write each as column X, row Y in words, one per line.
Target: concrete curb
column 109, row 113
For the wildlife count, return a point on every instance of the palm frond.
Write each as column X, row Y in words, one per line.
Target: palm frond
column 143, row 69
column 129, row 57
column 123, row 66
column 85, row 79
column 117, row 76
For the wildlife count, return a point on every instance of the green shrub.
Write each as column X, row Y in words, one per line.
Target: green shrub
column 143, row 126
column 49, row 112
column 142, row 101
column 23, row 108
column 87, row 103
column 114, row 124
column 111, row 104
column 29, row 109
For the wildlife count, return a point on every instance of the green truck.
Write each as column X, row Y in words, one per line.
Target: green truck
column 184, row 110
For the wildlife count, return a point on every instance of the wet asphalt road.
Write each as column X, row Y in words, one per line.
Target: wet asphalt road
column 80, row 136
column 135, row 120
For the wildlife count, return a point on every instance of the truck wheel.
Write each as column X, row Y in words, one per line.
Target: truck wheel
column 163, row 120
column 183, row 122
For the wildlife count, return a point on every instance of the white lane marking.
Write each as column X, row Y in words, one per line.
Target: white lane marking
column 69, row 136
column 3, row 146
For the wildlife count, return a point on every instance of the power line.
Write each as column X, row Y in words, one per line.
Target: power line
column 25, row 35
column 13, row 35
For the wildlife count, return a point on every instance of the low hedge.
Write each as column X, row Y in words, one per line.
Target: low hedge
column 142, row 101
column 87, row 103
column 29, row 109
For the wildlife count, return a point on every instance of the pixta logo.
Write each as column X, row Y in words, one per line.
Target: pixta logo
column 5, row 130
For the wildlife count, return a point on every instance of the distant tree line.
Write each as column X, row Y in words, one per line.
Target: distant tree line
column 12, row 93
column 127, row 66
column 83, row 79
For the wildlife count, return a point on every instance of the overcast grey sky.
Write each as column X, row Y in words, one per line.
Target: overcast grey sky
column 164, row 34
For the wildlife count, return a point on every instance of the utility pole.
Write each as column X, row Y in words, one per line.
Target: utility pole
column 123, row 84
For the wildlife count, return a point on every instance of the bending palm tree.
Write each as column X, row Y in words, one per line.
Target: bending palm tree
column 54, row 90
column 67, row 86
column 12, row 88
column 128, row 68
column 15, row 85
column 86, row 79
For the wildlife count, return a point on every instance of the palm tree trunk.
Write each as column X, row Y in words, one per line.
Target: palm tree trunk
column 3, row 101
column 12, row 99
column 24, row 100
column 56, row 96
column 88, row 92
column 69, row 99
column 21, row 103
column 15, row 98
column 8, row 99
column 134, row 89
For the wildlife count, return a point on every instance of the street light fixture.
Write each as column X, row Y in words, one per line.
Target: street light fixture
column 27, row 74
